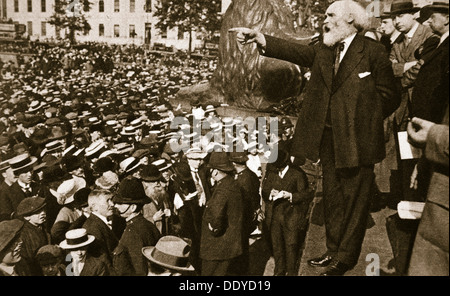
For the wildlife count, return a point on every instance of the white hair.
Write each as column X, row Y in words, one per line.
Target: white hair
column 359, row 14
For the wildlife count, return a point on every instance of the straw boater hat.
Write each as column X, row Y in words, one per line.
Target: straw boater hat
column 162, row 164
column 95, row 149
column 170, row 252
column 129, row 164
column 22, row 163
column 76, row 238
column 195, row 153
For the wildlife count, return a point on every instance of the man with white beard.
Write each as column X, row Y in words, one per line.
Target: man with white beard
column 351, row 90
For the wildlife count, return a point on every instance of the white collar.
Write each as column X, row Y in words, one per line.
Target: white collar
column 284, row 171
column 413, row 30
column 347, row 41
column 104, row 219
column 394, row 36
column 443, row 37
column 23, row 185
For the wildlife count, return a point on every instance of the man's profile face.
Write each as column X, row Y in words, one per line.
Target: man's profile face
column 26, row 177
column 438, row 22
column 104, row 206
column 404, row 22
column 387, row 26
column 335, row 27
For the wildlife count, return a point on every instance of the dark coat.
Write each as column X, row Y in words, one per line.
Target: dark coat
column 33, row 238
column 358, row 104
column 10, row 199
column 138, row 233
column 249, row 185
column 94, row 267
column 292, row 214
column 5, row 202
column 424, row 104
column 105, row 240
column 224, row 213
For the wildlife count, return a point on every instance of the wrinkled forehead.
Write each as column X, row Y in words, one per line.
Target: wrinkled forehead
column 337, row 8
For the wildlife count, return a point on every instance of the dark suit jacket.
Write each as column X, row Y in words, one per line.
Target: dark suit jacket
column 424, row 104
column 94, row 267
column 105, row 240
column 359, row 103
column 10, row 199
column 139, row 233
column 33, row 238
column 249, row 184
column 224, row 213
column 292, row 214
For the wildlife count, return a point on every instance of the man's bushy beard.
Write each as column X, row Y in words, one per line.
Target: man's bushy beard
column 158, row 194
column 334, row 34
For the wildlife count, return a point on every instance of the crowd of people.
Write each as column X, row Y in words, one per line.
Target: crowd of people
column 102, row 175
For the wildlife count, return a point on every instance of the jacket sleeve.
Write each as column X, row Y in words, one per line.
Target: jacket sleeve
column 302, row 55
column 303, row 193
column 436, row 149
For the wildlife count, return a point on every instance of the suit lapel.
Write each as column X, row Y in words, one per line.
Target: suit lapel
column 351, row 59
column 437, row 51
column 325, row 58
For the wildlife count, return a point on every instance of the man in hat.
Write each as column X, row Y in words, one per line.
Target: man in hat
column 139, row 232
column 11, row 263
column 222, row 223
column 51, row 258
column 34, row 235
column 8, row 179
column 390, row 34
column 249, row 184
column 158, row 211
column 196, row 159
column 22, row 168
column 169, row 257
column 287, row 198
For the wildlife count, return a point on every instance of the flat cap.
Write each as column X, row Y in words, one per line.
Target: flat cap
column 9, row 229
column 30, row 205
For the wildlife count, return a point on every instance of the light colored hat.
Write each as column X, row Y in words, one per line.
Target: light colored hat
column 129, row 164
column 195, row 153
column 128, row 131
column 22, row 163
column 68, row 188
column 76, row 238
column 107, row 180
column 94, row 148
column 170, row 252
column 162, row 164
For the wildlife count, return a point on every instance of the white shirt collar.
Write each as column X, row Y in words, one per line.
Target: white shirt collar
column 23, row 185
column 283, row 172
column 413, row 30
column 347, row 41
column 394, row 36
column 104, row 219
column 443, row 37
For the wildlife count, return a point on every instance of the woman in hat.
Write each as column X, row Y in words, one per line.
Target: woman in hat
column 82, row 262
column 129, row 200
column 11, row 263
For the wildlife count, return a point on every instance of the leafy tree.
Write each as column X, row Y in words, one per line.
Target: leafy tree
column 70, row 15
column 188, row 16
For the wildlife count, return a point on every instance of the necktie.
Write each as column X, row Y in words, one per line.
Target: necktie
column 27, row 191
column 337, row 56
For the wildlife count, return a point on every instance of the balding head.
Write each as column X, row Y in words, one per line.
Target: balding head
column 344, row 18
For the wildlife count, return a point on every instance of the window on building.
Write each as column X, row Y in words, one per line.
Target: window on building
column 30, row 5
column 116, row 31
column 180, row 34
column 148, row 6
column 101, row 6
column 132, row 31
column 101, row 30
column 43, row 5
column 16, row 5
column 30, row 28
column 164, row 34
column 116, row 6
column 132, row 5
column 43, row 29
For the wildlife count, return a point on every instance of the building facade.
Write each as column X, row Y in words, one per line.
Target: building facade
column 111, row 21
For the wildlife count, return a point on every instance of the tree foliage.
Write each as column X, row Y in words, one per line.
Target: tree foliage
column 70, row 15
column 188, row 16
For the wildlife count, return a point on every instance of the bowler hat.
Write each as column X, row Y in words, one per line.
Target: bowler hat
column 220, row 161
column 170, row 252
column 182, row 170
column 9, row 230
column 81, row 197
column 76, row 238
column 72, row 162
column 403, row 6
column 104, row 164
column 131, row 191
column 30, row 205
column 54, row 173
column 238, row 157
column 150, row 173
